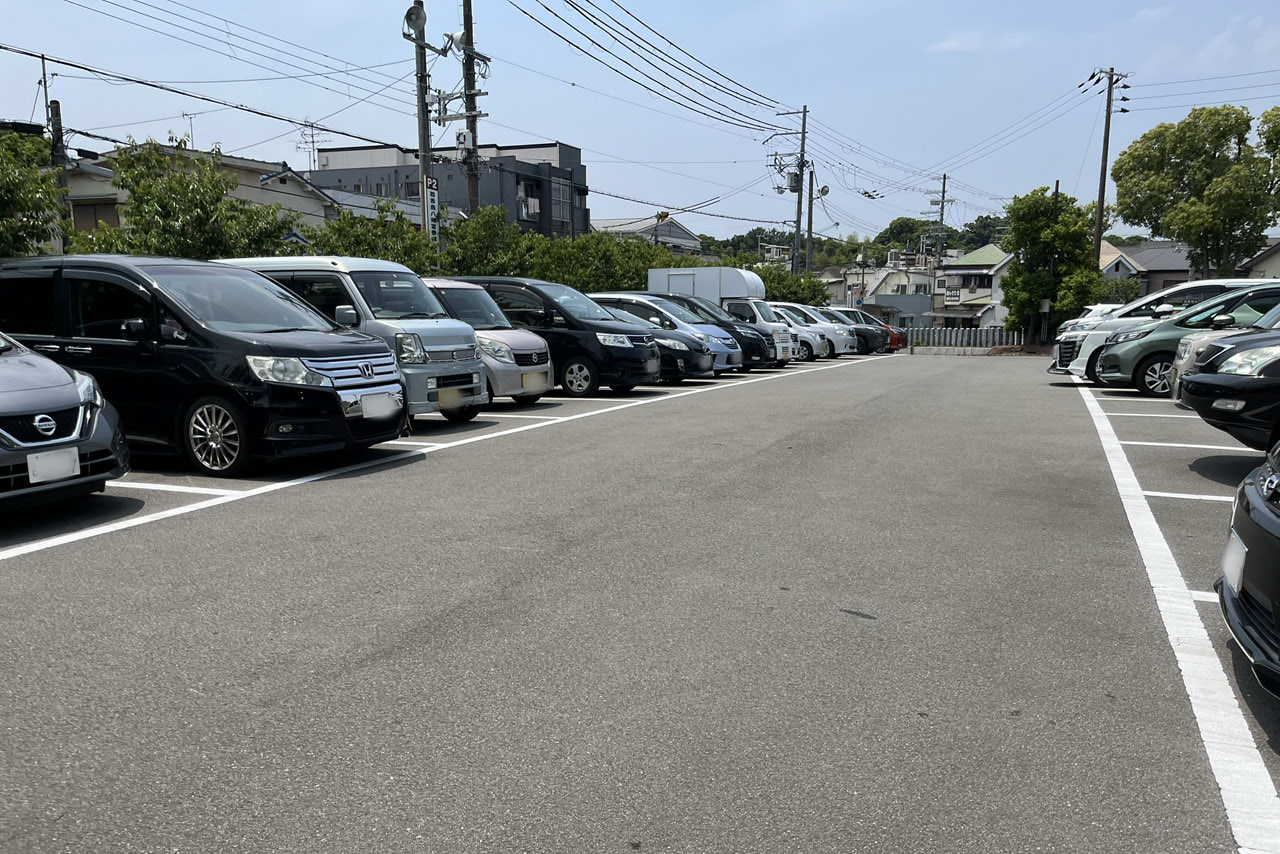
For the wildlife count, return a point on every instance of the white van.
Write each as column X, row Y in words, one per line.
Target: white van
column 739, row 292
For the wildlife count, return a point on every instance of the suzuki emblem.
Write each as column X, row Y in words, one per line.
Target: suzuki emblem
column 366, row 370
column 45, row 425
column 1270, row 486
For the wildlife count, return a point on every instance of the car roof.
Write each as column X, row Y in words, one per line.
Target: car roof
column 341, row 263
column 119, row 262
column 510, row 280
column 453, row 284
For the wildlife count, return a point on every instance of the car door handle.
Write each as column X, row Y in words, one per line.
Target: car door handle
column 47, row 348
column 79, row 351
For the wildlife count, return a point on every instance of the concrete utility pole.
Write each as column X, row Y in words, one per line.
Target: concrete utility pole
column 800, row 167
column 416, row 19
column 942, row 223
column 469, row 93
column 1102, row 174
column 59, row 161
column 808, row 249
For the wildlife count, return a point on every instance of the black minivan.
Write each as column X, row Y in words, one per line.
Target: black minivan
column 219, row 363
column 589, row 346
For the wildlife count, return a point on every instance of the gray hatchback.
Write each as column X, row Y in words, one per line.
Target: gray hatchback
column 58, row 437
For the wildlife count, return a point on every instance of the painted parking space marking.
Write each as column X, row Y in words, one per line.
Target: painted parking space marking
column 1239, row 448
column 403, row 456
column 172, row 487
column 1204, row 596
column 1147, row 415
column 485, row 415
column 1188, row 496
column 1248, row 792
column 413, row 443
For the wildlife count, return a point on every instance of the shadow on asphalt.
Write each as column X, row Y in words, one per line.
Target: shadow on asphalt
column 1264, row 708
column 65, row 517
column 1224, row 469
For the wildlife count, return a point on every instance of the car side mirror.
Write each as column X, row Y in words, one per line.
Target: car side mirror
column 544, row 318
column 134, row 330
column 1223, row 321
column 1163, row 311
column 346, row 315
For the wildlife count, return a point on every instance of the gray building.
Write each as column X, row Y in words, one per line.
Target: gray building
column 543, row 186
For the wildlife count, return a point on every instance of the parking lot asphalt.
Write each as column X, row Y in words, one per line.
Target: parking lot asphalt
column 881, row 605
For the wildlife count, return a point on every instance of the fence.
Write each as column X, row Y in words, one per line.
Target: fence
column 984, row 336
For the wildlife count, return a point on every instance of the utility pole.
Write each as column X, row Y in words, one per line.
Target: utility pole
column 469, row 93
column 942, row 223
column 1102, row 174
column 416, row 19
column 59, row 160
column 797, row 186
column 808, row 250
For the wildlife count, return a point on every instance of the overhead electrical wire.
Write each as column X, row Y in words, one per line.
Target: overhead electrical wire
column 1202, row 104
column 1205, row 79
column 1207, row 91
column 251, row 79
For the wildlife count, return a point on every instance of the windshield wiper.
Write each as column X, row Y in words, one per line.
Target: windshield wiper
column 292, row 329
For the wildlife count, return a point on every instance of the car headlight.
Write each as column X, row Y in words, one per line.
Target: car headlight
column 672, row 344
column 409, row 348
column 87, row 387
column 1125, row 337
column 1084, row 325
column 703, row 337
column 496, row 349
column 272, row 369
column 1184, row 350
column 1250, row 362
column 610, row 339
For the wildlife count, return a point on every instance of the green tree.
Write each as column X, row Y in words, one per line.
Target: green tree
column 389, row 235
column 981, row 231
column 179, row 206
column 1203, row 181
column 905, row 233
column 29, row 195
column 785, row 286
column 484, row 245
column 1049, row 242
column 1130, row 240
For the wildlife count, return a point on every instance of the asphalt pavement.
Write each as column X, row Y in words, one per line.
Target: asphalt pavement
column 887, row 605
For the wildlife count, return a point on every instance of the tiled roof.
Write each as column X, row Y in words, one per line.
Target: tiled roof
column 988, row 256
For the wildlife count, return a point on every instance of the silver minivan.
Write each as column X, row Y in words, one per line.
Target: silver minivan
column 517, row 361
column 438, row 356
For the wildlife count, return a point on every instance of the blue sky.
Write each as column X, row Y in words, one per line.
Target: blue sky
column 900, row 92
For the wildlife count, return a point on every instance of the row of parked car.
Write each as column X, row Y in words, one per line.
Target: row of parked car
column 1213, row 346
column 232, row 361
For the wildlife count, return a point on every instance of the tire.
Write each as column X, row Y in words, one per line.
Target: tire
column 579, row 377
column 623, row 388
column 1152, row 375
column 744, row 369
column 462, row 414
column 861, row 347
column 527, row 399
column 676, row 380
column 806, row 352
column 829, row 352
column 215, row 437
column 1091, row 368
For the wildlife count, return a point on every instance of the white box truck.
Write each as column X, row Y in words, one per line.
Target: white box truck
column 739, row 292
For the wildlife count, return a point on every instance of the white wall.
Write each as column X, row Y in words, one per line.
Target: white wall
column 367, row 158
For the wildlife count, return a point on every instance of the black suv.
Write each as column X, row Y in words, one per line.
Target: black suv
column 220, row 363
column 589, row 346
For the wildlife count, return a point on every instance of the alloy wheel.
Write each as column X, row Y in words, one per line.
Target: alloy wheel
column 214, row 437
column 1156, row 378
column 577, row 378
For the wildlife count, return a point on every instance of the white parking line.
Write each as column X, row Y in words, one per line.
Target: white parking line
column 1147, row 415
column 1134, row 399
column 484, row 415
column 1241, row 448
column 169, row 487
column 1248, row 793
column 112, row 527
column 412, row 442
column 1204, row 596
column 1188, row 496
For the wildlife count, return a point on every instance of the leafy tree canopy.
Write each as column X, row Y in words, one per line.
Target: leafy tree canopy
column 1049, row 243
column 29, row 195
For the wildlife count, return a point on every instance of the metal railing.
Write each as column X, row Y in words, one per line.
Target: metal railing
column 983, row 336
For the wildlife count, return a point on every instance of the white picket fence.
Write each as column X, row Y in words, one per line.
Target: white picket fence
column 984, row 336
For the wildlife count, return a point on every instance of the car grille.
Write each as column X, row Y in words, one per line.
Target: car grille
column 731, row 344
column 450, row 354
column 92, row 464
column 1260, row 621
column 529, row 359
column 1067, row 352
column 1209, row 352
column 454, row 381
column 642, row 340
column 347, row 371
column 22, row 428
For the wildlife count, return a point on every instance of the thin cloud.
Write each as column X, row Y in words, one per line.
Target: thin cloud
column 1151, row 14
column 972, row 39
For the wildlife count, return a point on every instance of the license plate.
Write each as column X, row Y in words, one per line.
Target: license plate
column 533, row 380
column 1233, row 558
column 378, row 405
column 650, row 365
column 450, row 398
column 53, row 465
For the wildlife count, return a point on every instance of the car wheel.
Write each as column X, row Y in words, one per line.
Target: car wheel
column 527, row 399
column 829, row 351
column 462, row 414
column 579, row 377
column 1091, row 368
column 745, row 369
column 806, row 352
column 215, row 436
column 1152, row 376
column 622, row 388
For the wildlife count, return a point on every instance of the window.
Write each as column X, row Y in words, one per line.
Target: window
column 740, row 310
column 394, row 295
column 85, row 216
column 579, row 200
column 412, row 190
column 357, row 188
column 521, row 307
column 1117, row 267
column 1191, row 296
column 922, row 288
column 379, row 189
column 172, row 330
column 323, row 293
column 235, row 300
column 473, row 307
column 27, row 306
column 101, row 307
column 1251, row 310
column 561, row 203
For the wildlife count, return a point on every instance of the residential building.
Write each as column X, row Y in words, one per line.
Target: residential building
column 543, row 186
column 1115, row 264
column 1160, row 264
column 968, row 289
column 1266, row 264
column 666, row 232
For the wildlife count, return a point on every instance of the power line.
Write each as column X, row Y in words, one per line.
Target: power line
column 1075, row 188
column 1205, row 79
column 1207, row 91
column 159, row 119
column 1202, row 104
column 255, row 79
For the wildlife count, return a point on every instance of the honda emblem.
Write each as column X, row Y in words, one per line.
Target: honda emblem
column 366, row 370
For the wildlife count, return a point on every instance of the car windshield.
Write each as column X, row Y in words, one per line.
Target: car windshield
column 393, row 295
column 6, row 343
column 766, row 313
column 708, row 311
column 1200, row 315
column 796, row 316
column 677, row 311
column 634, row 319
column 232, row 300
column 1270, row 320
column 574, row 303
column 474, row 306
column 832, row 316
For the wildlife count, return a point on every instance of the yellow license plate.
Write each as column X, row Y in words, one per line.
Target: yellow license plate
column 532, row 380
column 450, row 398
